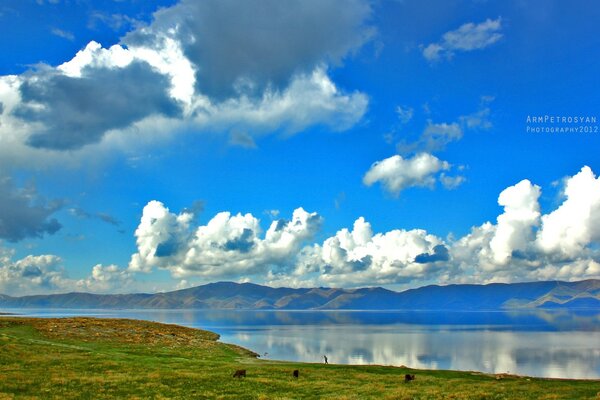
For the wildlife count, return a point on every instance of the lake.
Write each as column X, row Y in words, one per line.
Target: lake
column 556, row 344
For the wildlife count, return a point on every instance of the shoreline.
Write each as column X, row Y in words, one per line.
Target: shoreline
column 261, row 358
column 88, row 357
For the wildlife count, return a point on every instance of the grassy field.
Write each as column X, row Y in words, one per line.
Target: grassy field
column 87, row 358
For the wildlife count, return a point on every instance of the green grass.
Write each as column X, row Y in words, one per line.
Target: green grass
column 87, row 358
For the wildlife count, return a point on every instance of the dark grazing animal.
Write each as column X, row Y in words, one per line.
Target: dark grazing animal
column 296, row 373
column 239, row 373
column 408, row 378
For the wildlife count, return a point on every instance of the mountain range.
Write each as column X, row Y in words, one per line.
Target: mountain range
column 230, row 295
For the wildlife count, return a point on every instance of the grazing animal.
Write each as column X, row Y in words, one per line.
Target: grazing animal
column 296, row 373
column 239, row 373
column 408, row 378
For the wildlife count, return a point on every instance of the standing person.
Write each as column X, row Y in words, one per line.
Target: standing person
column 325, row 357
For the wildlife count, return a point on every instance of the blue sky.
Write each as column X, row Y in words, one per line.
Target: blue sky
column 152, row 145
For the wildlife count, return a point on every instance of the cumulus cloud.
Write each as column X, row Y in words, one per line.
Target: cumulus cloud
column 514, row 226
column 30, row 274
column 24, row 213
column 576, row 223
column 440, row 253
column 467, row 37
column 104, row 279
column 396, row 173
column 228, row 245
column 359, row 257
column 521, row 245
column 42, row 274
column 525, row 245
column 212, row 65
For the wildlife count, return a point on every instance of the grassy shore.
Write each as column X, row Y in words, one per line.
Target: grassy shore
column 88, row 358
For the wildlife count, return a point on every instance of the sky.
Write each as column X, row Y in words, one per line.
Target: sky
column 158, row 145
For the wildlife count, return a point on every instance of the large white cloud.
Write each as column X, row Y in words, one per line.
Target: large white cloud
column 467, row 37
column 576, row 223
column 489, row 250
column 212, row 65
column 507, row 250
column 514, row 227
column 525, row 245
column 521, row 245
column 359, row 257
column 227, row 246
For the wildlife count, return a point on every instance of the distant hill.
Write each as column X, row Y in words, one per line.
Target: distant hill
column 230, row 295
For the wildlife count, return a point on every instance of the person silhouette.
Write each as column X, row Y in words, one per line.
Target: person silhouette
column 325, row 357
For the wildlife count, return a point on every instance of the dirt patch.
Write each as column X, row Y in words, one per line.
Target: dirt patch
column 119, row 330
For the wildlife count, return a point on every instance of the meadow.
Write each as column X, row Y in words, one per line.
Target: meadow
column 89, row 358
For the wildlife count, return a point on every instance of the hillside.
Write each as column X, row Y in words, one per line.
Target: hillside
column 230, row 295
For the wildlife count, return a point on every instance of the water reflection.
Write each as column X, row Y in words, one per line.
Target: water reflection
column 538, row 343
column 548, row 354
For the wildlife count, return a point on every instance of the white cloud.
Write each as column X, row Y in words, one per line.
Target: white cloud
column 359, row 257
column 514, row 226
column 396, row 173
column 228, row 245
column 310, row 99
column 95, row 56
column 42, row 274
column 521, row 245
column 525, row 245
column 160, row 235
column 30, row 274
column 104, row 279
column 467, row 37
column 576, row 223
column 174, row 75
column 509, row 250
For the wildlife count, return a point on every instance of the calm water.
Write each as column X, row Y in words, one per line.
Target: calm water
column 557, row 344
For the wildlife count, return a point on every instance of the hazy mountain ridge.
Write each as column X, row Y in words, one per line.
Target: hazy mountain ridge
column 230, row 295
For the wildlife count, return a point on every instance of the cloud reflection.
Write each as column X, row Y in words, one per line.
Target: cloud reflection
column 545, row 354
